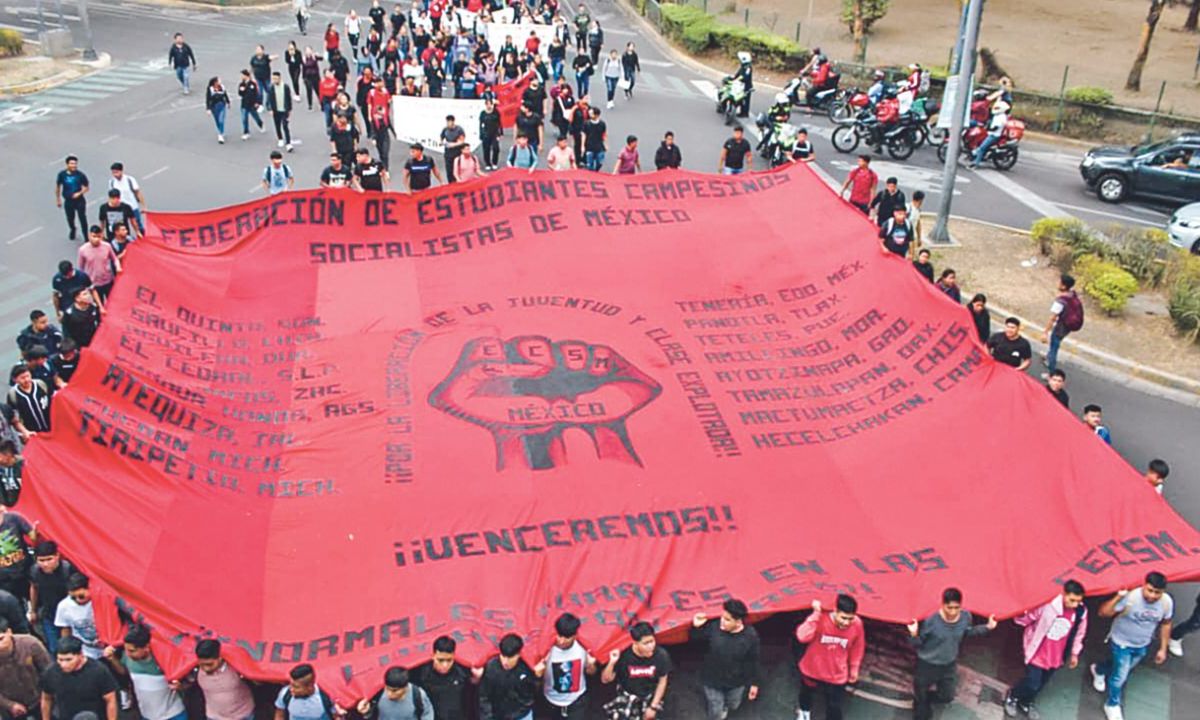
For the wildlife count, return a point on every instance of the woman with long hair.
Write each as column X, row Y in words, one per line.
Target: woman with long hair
column 216, row 102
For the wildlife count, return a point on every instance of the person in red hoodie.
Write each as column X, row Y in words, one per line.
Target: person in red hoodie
column 836, row 644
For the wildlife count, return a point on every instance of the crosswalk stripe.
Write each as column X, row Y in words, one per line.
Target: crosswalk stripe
column 12, row 281
column 706, row 88
column 66, row 91
column 116, row 80
column 652, row 83
column 22, row 303
column 58, row 100
column 679, row 86
column 98, row 86
column 134, row 73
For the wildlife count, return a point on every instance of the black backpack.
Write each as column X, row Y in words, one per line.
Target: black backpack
column 326, row 701
column 418, row 696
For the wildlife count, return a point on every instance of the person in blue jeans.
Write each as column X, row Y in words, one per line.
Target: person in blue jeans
column 1138, row 615
column 995, row 131
column 1056, row 329
column 183, row 61
column 47, row 588
column 216, row 101
column 595, row 141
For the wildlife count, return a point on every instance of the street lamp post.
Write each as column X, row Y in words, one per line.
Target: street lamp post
column 966, row 70
column 89, row 50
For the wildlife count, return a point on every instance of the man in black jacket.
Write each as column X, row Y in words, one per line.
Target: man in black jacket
column 509, row 685
column 183, row 61
column 668, row 155
column 887, row 200
column 730, row 659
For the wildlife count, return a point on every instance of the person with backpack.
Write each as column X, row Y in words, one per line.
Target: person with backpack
column 398, row 700
column 303, row 699
column 1066, row 317
column 277, row 177
column 1053, row 637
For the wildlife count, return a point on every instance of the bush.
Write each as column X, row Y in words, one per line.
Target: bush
column 1090, row 95
column 697, row 31
column 1106, row 282
column 769, row 50
column 1143, row 253
column 1066, row 239
column 11, row 44
column 1184, row 306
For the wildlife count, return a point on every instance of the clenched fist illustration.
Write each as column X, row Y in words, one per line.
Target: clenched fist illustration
column 528, row 391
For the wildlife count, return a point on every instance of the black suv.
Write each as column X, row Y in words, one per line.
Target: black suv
column 1166, row 171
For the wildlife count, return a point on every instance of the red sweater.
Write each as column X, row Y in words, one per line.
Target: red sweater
column 834, row 655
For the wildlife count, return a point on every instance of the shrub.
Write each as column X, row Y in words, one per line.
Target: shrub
column 769, row 50
column 1184, row 306
column 1143, row 253
column 1065, row 240
column 1106, row 282
column 1090, row 95
column 11, row 43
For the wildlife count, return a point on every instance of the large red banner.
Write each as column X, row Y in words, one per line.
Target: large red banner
column 328, row 427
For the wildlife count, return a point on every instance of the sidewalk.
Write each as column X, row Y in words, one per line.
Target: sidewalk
column 30, row 73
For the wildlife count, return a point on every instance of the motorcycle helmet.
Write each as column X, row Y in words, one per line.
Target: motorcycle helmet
column 821, row 58
column 879, row 75
column 781, row 98
column 914, row 66
column 979, row 95
column 744, row 57
column 816, row 52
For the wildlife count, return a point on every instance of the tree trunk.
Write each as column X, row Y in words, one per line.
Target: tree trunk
column 1193, row 19
column 1134, row 82
column 859, row 31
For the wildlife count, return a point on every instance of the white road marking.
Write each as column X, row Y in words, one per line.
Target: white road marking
column 254, row 189
column 1115, row 216
column 706, row 88
column 656, row 63
column 910, row 177
column 109, row 139
column 147, row 176
column 1020, row 193
column 24, row 235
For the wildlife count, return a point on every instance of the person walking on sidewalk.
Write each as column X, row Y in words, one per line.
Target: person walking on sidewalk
column 836, row 645
column 937, row 640
column 1066, row 316
column 70, row 191
column 1053, row 636
column 182, row 60
column 730, row 669
column 1138, row 615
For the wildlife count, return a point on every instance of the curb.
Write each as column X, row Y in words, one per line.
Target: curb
column 1097, row 360
column 214, row 7
column 34, row 86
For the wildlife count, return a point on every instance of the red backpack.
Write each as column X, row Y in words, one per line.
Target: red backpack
column 1072, row 314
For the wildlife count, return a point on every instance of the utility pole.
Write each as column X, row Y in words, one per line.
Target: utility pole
column 966, row 70
column 89, row 50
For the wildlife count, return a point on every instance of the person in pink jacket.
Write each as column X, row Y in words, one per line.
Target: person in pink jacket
column 836, row 645
column 1053, row 636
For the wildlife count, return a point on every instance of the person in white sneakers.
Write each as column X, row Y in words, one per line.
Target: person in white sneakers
column 1053, row 637
column 1137, row 615
column 1175, row 645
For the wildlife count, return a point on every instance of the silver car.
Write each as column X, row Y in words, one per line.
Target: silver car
column 1184, row 228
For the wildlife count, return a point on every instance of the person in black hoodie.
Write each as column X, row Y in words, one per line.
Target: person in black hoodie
column 981, row 316
column 509, row 685
column 667, row 155
column 446, row 681
column 730, row 663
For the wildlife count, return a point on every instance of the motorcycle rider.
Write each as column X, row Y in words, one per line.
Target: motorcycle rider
column 777, row 115
column 878, row 87
column 995, row 131
column 918, row 80
column 745, row 74
column 820, row 77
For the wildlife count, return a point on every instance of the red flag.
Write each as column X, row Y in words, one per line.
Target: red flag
column 329, row 427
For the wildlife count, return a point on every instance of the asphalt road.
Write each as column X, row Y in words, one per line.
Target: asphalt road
column 134, row 112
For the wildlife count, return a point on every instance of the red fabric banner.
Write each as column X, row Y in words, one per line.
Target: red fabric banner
column 329, row 427
column 508, row 98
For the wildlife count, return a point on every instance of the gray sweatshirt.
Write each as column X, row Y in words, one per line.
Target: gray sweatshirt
column 937, row 641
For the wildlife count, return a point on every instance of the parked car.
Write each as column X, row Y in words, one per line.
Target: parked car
column 1167, row 171
column 1184, row 228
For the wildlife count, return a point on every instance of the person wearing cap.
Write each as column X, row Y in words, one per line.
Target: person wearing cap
column 995, row 130
column 886, row 201
column 419, row 169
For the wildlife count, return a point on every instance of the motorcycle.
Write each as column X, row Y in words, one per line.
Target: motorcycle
column 730, row 98
column 782, row 139
column 899, row 137
column 797, row 92
column 1002, row 154
column 848, row 104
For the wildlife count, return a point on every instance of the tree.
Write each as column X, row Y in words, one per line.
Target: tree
column 1134, row 82
column 859, row 16
column 1193, row 19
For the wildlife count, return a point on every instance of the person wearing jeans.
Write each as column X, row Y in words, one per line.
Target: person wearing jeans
column 217, row 102
column 1053, row 637
column 1139, row 614
column 250, row 100
column 1192, row 624
column 731, row 659
column 1056, row 329
column 612, row 75
column 183, row 61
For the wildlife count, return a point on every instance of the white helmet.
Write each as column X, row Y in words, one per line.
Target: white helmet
column 781, row 98
column 744, row 57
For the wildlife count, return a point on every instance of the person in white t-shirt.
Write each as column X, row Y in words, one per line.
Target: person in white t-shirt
column 567, row 668
column 131, row 193
column 75, row 616
column 1157, row 472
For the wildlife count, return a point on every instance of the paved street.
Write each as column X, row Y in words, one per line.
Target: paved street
column 133, row 112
